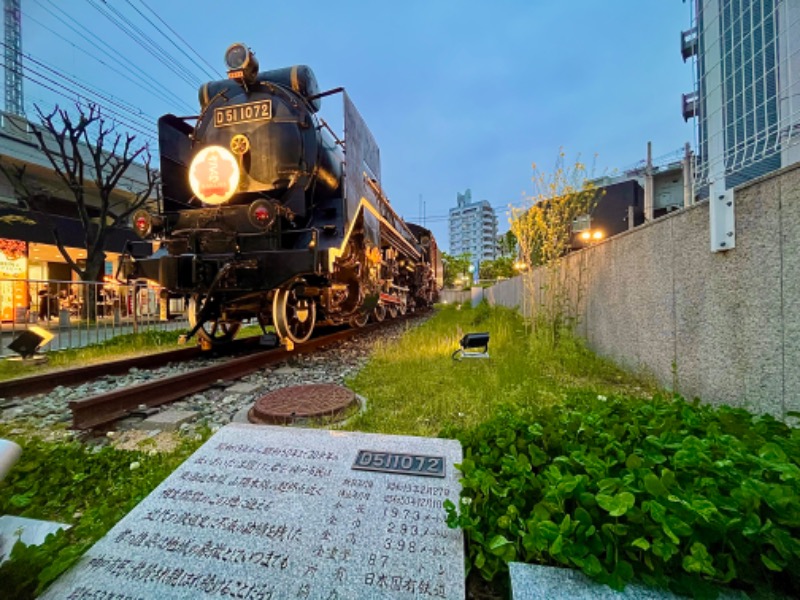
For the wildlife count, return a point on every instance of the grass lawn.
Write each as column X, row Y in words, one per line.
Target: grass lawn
column 414, row 387
column 569, row 461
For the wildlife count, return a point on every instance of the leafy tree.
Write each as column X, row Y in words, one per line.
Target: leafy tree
column 543, row 231
column 497, row 268
column 507, row 244
column 455, row 267
column 90, row 157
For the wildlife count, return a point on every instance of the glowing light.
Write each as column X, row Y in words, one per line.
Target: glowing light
column 598, row 235
column 214, row 175
column 586, row 235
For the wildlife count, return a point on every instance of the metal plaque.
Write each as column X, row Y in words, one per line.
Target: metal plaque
column 399, row 463
column 243, row 113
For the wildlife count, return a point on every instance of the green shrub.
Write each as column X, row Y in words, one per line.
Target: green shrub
column 676, row 494
column 88, row 488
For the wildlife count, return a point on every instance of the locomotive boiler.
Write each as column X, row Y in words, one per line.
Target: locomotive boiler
column 266, row 214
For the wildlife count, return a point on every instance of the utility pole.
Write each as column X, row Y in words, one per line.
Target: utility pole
column 13, row 56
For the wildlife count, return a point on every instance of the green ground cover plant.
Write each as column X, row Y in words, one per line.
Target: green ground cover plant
column 676, row 494
column 88, row 487
column 570, row 461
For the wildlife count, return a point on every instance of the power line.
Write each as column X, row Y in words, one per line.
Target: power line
column 135, row 113
column 134, row 71
column 35, row 77
column 208, row 72
column 145, row 42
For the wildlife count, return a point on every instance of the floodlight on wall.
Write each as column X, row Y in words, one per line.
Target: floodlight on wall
column 473, row 345
column 29, row 341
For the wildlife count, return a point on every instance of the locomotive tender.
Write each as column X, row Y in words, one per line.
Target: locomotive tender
column 266, row 214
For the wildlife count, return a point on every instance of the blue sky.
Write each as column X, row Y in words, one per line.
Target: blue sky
column 458, row 94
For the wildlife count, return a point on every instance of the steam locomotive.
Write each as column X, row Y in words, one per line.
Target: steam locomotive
column 266, row 214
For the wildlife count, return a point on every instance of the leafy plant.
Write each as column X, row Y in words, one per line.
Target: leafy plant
column 89, row 488
column 677, row 494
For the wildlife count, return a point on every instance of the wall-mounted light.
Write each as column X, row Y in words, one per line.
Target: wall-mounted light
column 588, row 235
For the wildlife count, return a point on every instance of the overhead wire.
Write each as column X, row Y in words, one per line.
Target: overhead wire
column 144, row 41
column 136, row 73
column 59, row 89
column 38, row 78
column 210, row 72
column 132, row 111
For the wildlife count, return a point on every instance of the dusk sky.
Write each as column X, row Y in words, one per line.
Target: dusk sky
column 458, row 94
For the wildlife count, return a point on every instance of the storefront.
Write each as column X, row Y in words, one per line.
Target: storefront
column 29, row 258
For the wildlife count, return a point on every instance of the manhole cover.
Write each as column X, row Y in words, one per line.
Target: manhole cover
column 298, row 402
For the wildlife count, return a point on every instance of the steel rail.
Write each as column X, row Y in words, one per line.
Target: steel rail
column 47, row 382
column 99, row 410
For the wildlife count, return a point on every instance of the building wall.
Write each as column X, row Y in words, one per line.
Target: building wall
column 724, row 327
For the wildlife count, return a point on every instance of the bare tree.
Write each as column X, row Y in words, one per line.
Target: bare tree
column 91, row 158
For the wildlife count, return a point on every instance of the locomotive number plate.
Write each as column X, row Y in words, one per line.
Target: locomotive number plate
column 243, row 113
column 402, row 464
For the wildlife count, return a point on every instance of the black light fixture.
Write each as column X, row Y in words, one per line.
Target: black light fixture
column 29, row 341
column 473, row 345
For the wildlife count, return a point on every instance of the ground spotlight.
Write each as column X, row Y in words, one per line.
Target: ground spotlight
column 29, row 341
column 473, row 345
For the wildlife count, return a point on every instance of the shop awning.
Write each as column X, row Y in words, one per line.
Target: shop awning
column 30, row 226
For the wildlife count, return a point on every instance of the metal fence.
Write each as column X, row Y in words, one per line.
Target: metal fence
column 80, row 313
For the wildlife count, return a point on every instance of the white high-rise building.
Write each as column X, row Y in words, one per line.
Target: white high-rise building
column 473, row 230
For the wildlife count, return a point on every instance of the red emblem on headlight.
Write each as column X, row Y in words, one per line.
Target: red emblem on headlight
column 214, row 175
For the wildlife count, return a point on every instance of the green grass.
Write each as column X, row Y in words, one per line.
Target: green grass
column 414, row 387
column 116, row 348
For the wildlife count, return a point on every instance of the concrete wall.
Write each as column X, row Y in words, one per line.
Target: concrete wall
column 450, row 296
column 724, row 327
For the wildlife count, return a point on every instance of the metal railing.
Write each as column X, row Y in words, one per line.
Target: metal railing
column 81, row 313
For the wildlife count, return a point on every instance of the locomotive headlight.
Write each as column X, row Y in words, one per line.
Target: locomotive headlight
column 236, row 56
column 214, row 175
column 241, row 63
column 261, row 214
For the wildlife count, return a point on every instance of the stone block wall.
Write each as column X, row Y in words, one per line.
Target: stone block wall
column 724, row 327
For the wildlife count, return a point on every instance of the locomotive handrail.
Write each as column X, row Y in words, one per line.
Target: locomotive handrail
column 324, row 123
column 382, row 197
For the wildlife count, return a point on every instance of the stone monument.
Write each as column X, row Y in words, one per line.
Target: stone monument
column 273, row 513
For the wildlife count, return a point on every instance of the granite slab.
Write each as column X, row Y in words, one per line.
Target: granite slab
column 271, row 512
column 539, row 582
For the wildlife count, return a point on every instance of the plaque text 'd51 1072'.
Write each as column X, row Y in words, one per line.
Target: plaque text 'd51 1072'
column 402, row 464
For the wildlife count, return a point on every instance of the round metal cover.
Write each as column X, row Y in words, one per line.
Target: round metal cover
column 298, row 402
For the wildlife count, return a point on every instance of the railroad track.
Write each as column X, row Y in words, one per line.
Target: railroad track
column 96, row 411
column 46, row 382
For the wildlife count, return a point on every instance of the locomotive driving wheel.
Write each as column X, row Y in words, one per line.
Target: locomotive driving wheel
column 213, row 329
column 293, row 316
column 379, row 313
column 359, row 319
column 392, row 311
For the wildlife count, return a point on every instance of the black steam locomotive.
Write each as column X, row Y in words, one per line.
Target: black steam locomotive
column 265, row 213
